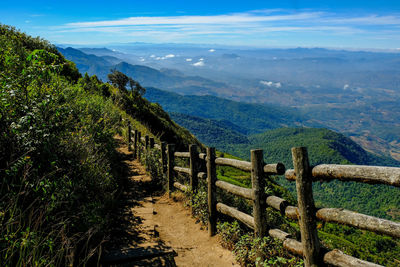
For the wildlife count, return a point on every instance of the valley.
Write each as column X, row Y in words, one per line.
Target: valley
column 352, row 92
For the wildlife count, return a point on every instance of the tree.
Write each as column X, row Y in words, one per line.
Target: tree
column 120, row 80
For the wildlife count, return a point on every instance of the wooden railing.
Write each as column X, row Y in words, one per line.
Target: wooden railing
column 306, row 213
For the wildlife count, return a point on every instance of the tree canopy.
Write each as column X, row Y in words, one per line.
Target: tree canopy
column 121, row 81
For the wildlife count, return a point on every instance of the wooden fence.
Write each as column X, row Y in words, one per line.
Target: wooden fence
column 306, row 213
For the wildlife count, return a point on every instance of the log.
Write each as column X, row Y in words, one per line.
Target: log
column 277, row 203
column 236, row 214
column 338, row 258
column 361, row 221
column 277, row 168
column 358, row 173
column 236, row 190
column 305, row 200
column 182, row 170
column 182, row 154
column 258, row 186
column 290, row 175
column 293, row 246
column 292, row 212
column 240, row 164
column 211, row 191
column 279, row 234
column 181, row 187
column 170, row 167
column 355, row 173
column 202, row 175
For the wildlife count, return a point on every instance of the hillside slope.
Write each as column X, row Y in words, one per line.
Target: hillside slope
column 252, row 118
column 58, row 165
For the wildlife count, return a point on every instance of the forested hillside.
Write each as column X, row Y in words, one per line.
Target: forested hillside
column 58, row 163
column 251, row 118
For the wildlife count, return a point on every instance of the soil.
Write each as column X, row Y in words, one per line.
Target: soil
column 146, row 220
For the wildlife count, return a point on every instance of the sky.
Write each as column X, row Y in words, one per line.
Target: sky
column 294, row 23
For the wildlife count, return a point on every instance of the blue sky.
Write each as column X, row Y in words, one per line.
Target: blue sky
column 340, row 24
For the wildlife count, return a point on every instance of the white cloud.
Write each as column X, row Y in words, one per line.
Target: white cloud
column 253, row 27
column 201, row 59
column 271, row 84
column 153, row 56
column 346, row 86
column 169, row 56
column 237, row 18
column 189, row 59
column 199, row 64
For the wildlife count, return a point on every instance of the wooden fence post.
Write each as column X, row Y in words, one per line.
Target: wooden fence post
column 129, row 137
column 146, row 142
column 164, row 158
column 139, row 145
column 151, row 142
column 305, row 200
column 193, row 166
column 170, row 167
column 212, row 200
column 258, row 186
column 135, row 144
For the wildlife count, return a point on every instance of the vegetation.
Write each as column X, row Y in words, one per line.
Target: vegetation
column 251, row 251
column 58, row 163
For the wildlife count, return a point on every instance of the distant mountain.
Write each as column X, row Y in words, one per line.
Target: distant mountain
column 168, row 79
column 211, row 132
column 251, row 118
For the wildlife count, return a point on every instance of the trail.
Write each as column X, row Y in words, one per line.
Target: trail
column 145, row 221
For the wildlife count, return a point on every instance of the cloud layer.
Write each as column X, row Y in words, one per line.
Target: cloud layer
column 271, row 26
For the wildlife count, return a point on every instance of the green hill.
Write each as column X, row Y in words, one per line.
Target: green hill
column 59, row 167
column 211, row 132
column 254, row 118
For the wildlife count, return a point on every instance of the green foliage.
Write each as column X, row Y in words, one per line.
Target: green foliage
column 211, row 132
column 151, row 159
column 57, row 151
column 200, row 205
column 252, row 251
column 120, row 80
column 366, row 245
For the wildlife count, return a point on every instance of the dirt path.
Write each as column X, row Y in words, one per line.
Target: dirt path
column 146, row 221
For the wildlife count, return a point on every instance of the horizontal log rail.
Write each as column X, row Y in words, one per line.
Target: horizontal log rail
column 356, row 173
column 182, row 154
column 239, row 164
column 236, row 190
column 338, row 258
column 182, row 170
column 360, row 221
column 277, row 168
column 236, row 214
column 323, row 172
column 181, row 187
